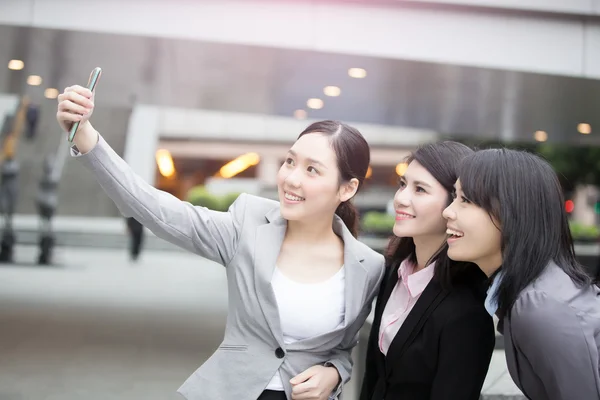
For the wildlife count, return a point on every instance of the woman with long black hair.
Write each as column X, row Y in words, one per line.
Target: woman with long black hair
column 508, row 217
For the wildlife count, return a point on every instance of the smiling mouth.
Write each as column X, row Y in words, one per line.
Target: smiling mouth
column 454, row 234
column 292, row 197
column 403, row 216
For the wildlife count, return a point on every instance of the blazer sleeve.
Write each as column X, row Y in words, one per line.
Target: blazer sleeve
column 342, row 355
column 466, row 346
column 211, row 234
column 551, row 337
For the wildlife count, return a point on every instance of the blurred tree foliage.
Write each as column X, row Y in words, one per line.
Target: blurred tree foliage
column 575, row 165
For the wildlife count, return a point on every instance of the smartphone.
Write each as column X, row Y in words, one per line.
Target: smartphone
column 94, row 76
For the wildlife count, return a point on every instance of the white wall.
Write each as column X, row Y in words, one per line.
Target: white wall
column 206, row 124
column 562, row 44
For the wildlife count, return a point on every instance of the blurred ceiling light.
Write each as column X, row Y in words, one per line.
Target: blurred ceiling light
column 238, row 165
column 16, row 65
column 401, row 168
column 51, row 93
column 165, row 163
column 584, row 129
column 357, row 73
column 300, row 114
column 34, row 80
column 332, row 91
column 540, row 136
column 369, row 173
column 315, row 104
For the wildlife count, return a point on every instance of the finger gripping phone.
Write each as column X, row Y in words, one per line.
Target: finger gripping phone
column 91, row 85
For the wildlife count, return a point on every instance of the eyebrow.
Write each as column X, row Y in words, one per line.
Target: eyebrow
column 418, row 183
column 311, row 160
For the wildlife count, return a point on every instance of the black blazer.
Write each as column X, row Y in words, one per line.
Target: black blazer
column 442, row 350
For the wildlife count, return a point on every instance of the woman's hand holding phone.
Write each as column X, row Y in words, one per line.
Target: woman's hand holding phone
column 75, row 107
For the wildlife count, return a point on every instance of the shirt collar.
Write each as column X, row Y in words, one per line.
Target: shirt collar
column 491, row 305
column 417, row 282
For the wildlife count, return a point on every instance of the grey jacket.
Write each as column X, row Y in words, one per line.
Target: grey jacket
column 247, row 241
column 552, row 339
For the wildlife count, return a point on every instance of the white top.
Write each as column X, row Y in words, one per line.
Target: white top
column 307, row 309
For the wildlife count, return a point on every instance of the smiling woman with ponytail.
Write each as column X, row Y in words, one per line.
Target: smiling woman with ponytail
column 300, row 284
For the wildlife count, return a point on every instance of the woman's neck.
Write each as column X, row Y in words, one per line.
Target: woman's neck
column 316, row 231
column 489, row 268
column 426, row 247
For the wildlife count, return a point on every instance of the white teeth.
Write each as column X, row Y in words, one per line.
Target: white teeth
column 292, row 197
column 454, row 233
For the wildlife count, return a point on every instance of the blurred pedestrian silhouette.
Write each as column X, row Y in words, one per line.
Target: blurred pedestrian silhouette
column 136, row 237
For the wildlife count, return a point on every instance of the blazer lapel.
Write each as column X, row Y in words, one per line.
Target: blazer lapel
column 269, row 238
column 428, row 301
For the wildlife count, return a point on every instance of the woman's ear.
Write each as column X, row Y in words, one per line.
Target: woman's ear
column 348, row 189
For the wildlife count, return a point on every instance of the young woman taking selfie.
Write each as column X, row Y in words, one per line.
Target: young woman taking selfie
column 300, row 284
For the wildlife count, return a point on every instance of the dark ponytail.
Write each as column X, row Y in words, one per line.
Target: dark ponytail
column 349, row 214
column 353, row 157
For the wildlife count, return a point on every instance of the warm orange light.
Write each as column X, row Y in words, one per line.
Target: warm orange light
column 315, row 103
column 238, row 165
column 401, row 168
column 369, row 173
column 332, row 91
column 540, row 136
column 165, row 163
column 51, row 93
column 357, row 73
column 34, row 80
column 16, row 65
column 584, row 129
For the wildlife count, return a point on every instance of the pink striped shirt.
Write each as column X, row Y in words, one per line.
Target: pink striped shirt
column 403, row 298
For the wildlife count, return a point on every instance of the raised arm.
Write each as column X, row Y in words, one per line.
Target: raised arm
column 211, row 234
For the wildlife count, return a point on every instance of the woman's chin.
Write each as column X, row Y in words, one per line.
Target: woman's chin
column 400, row 231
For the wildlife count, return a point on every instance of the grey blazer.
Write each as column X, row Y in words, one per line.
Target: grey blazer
column 247, row 241
column 552, row 339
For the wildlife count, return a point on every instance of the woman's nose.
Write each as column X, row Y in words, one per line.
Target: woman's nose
column 293, row 179
column 448, row 213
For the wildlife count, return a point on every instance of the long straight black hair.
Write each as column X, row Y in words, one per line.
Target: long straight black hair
column 441, row 160
column 522, row 193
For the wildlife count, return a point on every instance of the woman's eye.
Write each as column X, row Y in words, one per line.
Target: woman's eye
column 312, row 170
column 463, row 199
column 420, row 189
column 289, row 161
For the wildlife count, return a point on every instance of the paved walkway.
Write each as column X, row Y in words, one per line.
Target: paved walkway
column 98, row 327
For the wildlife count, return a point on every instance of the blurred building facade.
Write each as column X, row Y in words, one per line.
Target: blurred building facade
column 207, row 82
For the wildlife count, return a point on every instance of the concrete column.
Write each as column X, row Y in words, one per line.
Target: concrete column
column 267, row 170
column 142, row 141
